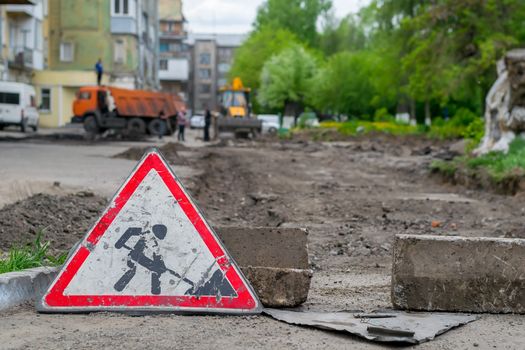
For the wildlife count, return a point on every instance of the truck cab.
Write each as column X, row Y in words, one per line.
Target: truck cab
column 91, row 100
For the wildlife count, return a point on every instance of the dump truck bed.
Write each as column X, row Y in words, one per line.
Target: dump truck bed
column 133, row 103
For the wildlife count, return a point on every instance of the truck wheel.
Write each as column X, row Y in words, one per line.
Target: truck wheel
column 136, row 126
column 91, row 125
column 157, row 127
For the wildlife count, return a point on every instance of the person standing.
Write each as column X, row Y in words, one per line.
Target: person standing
column 99, row 69
column 207, row 124
column 181, row 122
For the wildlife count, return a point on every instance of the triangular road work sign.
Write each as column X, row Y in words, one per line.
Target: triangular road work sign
column 152, row 250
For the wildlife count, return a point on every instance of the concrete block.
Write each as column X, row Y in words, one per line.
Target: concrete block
column 274, row 260
column 23, row 286
column 435, row 273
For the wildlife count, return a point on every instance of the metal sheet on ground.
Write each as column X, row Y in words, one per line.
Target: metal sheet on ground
column 151, row 250
column 390, row 326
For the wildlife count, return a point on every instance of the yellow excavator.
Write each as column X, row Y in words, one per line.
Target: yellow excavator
column 235, row 111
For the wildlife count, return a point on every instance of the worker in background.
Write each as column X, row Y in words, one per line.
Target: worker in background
column 207, row 124
column 99, row 69
column 181, row 122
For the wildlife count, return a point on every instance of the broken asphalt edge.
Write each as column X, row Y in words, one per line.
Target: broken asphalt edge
column 24, row 286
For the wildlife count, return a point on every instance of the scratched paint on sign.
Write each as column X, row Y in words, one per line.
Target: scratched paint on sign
column 151, row 250
column 189, row 265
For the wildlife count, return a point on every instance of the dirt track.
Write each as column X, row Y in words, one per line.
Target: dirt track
column 352, row 196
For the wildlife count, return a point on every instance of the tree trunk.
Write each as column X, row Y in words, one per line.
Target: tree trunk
column 413, row 117
column 428, row 120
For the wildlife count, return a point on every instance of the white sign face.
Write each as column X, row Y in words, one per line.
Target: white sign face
column 151, row 250
column 139, row 258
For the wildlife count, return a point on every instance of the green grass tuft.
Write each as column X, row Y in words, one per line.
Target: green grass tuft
column 35, row 255
column 443, row 167
column 499, row 164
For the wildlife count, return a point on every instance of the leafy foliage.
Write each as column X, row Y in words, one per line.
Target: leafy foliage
column 298, row 16
column 343, row 84
column 253, row 54
column 286, row 77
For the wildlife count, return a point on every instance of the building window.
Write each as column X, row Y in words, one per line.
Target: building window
column 164, row 47
column 205, row 88
column 205, row 58
column 45, row 99
column 67, row 52
column 222, row 82
column 225, row 55
column 223, row 67
column 204, row 73
column 119, row 51
column 163, row 64
column 175, row 47
column 123, row 8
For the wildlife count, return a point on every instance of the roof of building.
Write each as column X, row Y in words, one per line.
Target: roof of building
column 229, row 40
column 171, row 10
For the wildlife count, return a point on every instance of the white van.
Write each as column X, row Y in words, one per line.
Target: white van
column 18, row 105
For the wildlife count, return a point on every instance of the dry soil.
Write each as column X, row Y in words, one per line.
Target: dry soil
column 352, row 196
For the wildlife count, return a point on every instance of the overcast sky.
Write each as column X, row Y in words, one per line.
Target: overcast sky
column 237, row 16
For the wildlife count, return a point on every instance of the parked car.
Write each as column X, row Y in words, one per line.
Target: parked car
column 197, row 122
column 270, row 123
column 18, row 106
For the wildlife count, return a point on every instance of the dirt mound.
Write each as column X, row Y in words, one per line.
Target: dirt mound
column 64, row 219
column 169, row 150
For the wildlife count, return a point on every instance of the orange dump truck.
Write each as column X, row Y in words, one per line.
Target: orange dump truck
column 137, row 112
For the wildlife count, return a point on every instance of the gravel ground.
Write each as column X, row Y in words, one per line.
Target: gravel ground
column 353, row 196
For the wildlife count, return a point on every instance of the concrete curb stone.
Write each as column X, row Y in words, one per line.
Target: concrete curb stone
column 23, row 286
column 459, row 274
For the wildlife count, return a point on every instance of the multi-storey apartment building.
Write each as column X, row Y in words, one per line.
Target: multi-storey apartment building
column 21, row 39
column 174, row 56
column 122, row 33
column 212, row 56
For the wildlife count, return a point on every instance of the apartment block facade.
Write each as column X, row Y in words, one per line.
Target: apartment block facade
column 174, row 55
column 122, row 33
column 211, row 59
column 21, row 39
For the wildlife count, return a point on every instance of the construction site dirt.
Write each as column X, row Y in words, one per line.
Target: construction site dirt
column 353, row 196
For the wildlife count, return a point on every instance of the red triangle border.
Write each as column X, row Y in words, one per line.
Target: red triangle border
column 246, row 299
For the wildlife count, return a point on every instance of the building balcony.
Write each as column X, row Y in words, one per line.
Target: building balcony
column 20, row 57
column 174, row 35
column 20, row 8
column 174, row 69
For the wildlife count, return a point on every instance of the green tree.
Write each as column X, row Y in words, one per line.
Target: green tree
column 298, row 16
column 454, row 47
column 254, row 52
column 352, row 83
column 345, row 35
column 286, row 77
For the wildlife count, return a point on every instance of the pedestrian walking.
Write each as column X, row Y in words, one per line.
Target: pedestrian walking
column 207, row 124
column 181, row 122
column 99, row 70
